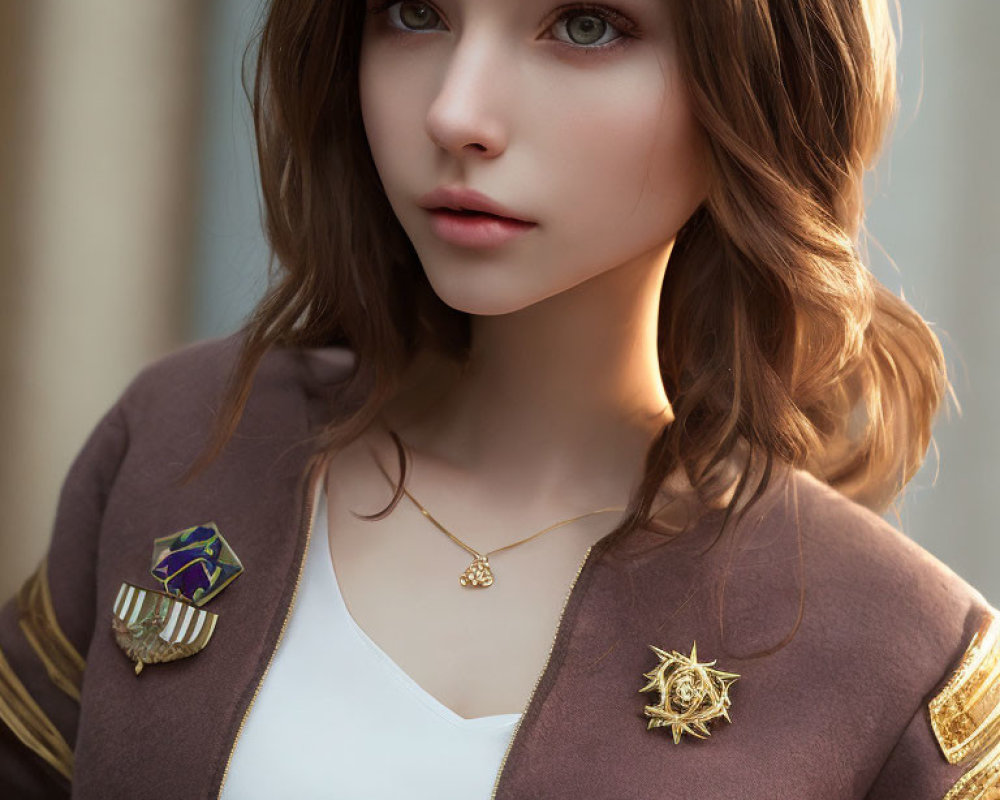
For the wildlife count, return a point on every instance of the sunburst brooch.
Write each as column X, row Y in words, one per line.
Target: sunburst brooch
column 692, row 694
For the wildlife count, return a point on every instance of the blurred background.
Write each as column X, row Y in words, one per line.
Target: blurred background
column 130, row 225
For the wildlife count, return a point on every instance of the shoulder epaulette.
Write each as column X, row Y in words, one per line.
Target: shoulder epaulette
column 965, row 715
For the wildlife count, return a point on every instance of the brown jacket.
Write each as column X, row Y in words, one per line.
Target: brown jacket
column 893, row 674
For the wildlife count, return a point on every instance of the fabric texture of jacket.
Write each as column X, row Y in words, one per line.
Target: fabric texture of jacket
column 889, row 689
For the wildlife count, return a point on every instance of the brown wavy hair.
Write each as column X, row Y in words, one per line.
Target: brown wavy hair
column 802, row 357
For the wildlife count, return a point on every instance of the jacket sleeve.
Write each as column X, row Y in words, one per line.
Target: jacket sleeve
column 45, row 629
column 950, row 750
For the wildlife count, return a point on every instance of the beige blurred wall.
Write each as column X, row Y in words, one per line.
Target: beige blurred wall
column 99, row 116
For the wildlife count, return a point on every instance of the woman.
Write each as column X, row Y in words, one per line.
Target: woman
column 577, row 287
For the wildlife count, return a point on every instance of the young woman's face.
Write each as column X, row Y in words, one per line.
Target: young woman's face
column 573, row 119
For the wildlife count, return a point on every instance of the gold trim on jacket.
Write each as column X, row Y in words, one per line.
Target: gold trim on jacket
column 38, row 623
column 30, row 724
column 63, row 664
column 965, row 715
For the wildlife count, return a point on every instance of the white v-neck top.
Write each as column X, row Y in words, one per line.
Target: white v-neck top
column 337, row 718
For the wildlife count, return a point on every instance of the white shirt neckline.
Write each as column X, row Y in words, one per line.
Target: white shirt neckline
column 321, row 530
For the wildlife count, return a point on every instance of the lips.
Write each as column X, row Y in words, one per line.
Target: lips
column 477, row 230
column 465, row 213
column 461, row 200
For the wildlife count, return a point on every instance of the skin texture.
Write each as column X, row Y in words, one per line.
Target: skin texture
column 563, row 395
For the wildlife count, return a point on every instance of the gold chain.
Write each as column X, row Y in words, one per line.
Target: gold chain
column 480, row 573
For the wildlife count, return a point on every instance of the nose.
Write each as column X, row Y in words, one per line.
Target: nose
column 467, row 115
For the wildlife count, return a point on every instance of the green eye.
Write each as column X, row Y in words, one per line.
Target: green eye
column 417, row 16
column 585, row 29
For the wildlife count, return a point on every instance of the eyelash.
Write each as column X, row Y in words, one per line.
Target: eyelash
column 625, row 27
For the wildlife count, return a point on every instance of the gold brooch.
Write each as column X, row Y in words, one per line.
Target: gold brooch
column 691, row 694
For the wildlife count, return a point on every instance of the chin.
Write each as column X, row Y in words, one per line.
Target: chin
column 483, row 300
column 479, row 290
column 482, row 303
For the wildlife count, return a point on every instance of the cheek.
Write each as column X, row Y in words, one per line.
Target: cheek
column 386, row 113
column 629, row 153
column 679, row 175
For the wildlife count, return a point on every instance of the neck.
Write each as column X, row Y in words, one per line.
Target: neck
column 559, row 401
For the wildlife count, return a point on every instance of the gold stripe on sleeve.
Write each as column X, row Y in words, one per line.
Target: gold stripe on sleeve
column 965, row 714
column 63, row 663
column 982, row 782
column 30, row 724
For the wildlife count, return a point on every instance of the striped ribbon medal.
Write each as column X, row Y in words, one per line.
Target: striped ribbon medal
column 192, row 566
column 152, row 626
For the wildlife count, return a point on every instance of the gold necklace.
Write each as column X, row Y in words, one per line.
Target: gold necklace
column 479, row 573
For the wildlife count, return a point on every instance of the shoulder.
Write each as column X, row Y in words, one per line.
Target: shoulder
column 926, row 642
column 169, row 412
column 187, row 386
column 203, row 369
column 921, row 641
column 874, row 573
column 872, row 635
column 870, row 584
